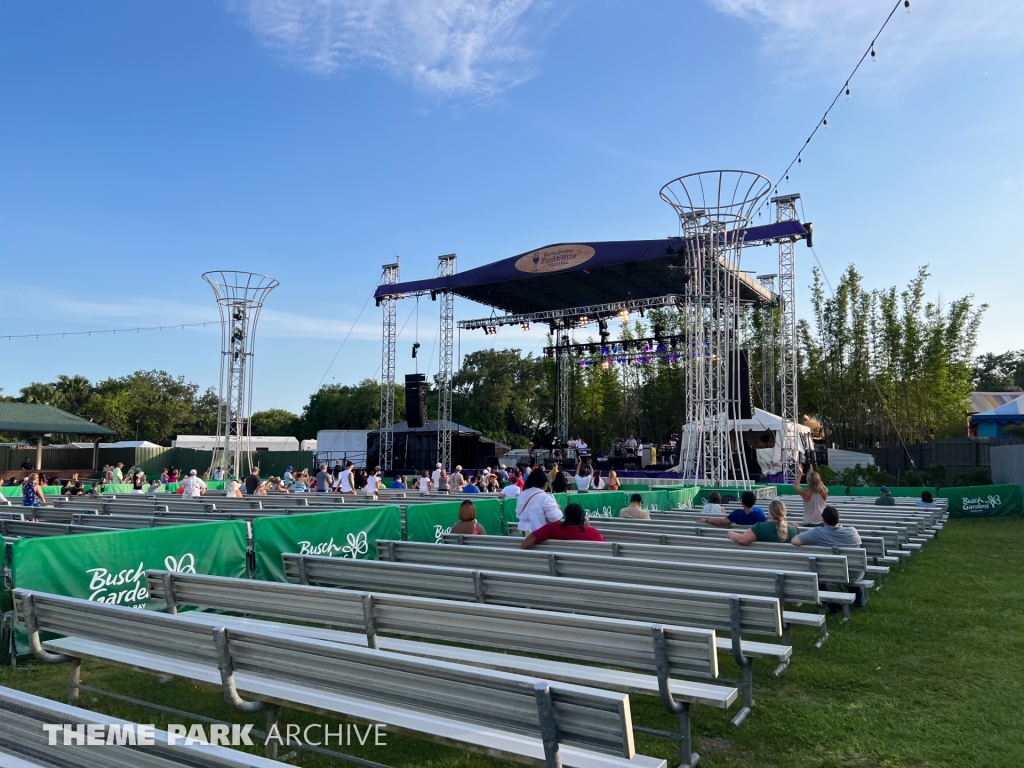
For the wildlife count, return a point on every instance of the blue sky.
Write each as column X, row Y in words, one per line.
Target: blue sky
column 142, row 144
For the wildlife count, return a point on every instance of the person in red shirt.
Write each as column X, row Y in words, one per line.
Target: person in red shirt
column 573, row 528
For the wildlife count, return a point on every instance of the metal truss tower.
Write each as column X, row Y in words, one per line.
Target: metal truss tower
column 563, row 375
column 446, row 336
column 389, row 276
column 713, row 206
column 789, row 412
column 768, row 342
column 240, row 297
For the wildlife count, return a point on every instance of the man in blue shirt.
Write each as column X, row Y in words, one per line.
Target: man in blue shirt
column 398, row 483
column 748, row 515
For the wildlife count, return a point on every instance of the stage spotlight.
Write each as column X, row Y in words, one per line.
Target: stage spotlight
column 624, row 315
column 525, row 326
column 490, row 330
column 415, row 349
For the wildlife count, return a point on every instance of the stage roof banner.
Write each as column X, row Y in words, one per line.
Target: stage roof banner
column 567, row 275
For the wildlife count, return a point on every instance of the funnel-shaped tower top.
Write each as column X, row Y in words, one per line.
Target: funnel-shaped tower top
column 724, row 198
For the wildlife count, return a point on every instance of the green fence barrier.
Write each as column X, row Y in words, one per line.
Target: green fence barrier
column 682, row 498
column 983, row 500
column 598, row 503
column 342, row 533
column 428, row 522
column 110, row 567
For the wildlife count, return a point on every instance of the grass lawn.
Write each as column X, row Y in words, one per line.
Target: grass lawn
column 928, row 675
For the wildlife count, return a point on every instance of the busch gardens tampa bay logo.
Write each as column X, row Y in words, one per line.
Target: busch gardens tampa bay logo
column 129, row 586
column 980, row 503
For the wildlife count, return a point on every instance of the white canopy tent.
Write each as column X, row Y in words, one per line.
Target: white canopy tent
column 769, row 459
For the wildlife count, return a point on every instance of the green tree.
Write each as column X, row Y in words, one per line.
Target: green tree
column 338, row 406
column 1000, row 373
column 274, row 422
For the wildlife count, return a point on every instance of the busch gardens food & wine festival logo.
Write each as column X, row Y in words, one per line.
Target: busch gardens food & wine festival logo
column 129, row 586
column 555, row 258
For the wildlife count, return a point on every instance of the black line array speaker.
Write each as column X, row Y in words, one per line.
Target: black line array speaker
column 739, row 385
column 416, row 400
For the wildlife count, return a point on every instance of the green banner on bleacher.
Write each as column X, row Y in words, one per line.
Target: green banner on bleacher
column 110, row 567
column 682, row 498
column 984, row 500
column 342, row 533
column 429, row 522
column 598, row 503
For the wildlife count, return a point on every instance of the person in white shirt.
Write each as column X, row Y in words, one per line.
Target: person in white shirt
column 581, row 445
column 423, row 483
column 193, row 485
column 373, row 483
column 534, row 507
column 435, row 475
column 583, row 478
column 510, row 491
column 344, row 484
column 218, row 474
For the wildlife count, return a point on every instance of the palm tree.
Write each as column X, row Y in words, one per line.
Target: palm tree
column 72, row 392
column 38, row 392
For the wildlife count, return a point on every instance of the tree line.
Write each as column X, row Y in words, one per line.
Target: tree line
column 874, row 367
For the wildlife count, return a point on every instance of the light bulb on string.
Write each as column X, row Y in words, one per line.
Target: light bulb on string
column 847, row 90
column 906, row 4
column 873, row 56
column 824, row 122
column 799, row 160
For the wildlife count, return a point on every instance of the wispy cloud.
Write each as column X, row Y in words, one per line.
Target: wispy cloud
column 444, row 47
column 811, row 35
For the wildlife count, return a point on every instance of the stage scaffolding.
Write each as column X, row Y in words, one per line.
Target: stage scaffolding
column 701, row 276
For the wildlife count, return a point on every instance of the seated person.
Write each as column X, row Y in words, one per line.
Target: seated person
column 573, row 528
column 713, row 505
column 885, row 498
column 398, row 483
column 78, row 489
column 65, row 489
column 927, row 501
column 473, row 487
column 831, row 534
column 154, row 486
column 748, row 515
column 774, row 529
column 467, row 520
column 635, row 510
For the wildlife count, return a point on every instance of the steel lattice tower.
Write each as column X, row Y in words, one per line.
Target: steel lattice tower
column 563, row 373
column 768, row 344
column 240, row 297
column 389, row 276
column 785, row 210
column 446, row 337
column 713, row 208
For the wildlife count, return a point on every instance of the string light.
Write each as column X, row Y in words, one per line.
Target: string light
column 823, row 122
column 64, row 334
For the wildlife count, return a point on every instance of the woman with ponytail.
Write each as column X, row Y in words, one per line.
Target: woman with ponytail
column 814, row 495
column 774, row 529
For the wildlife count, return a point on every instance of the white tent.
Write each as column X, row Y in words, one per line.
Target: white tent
column 130, row 444
column 769, row 459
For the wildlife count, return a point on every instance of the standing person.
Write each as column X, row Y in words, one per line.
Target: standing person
column 613, row 483
column 598, row 484
column 138, row 480
column 774, row 529
column 252, row 481
column 119, row 473
column 748, row 515
column 192, row 486
column 423, row 483
column 442, row 482
column 32, row 492
column 561, row 483
column 635, row 510
column 218, row 473
column 154, row 486
column 288, row 477
column 584, row 478
column 467, row 520
column 234, row 490
column 346, row 483
column 534, row 507
column 457, row 479
column 573, row 528
column 436, row 474
column 324, row 480
column 164, row 477
column 373, row 482
column 814, row 495
column 885, row 498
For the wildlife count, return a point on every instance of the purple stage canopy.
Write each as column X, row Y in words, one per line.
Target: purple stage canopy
column 570, row 275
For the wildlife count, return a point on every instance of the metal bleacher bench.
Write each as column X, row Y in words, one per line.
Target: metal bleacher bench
column 498, row 713
column 785, row 585
column 24, row 743
column 738, row 615
column 359, row 617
